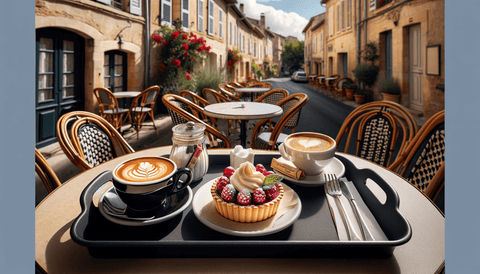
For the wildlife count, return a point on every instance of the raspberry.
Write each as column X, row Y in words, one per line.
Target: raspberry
column 222, row 182
column 228, row 171
column 228, row 193
column 272, row 192
column 244, row 198
column 260, row 168
column 266, row 173
column 259, row 196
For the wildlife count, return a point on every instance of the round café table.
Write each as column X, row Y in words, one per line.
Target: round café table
column 243, row 111
column 126, row 94
column 56, row 252
column 252, row 91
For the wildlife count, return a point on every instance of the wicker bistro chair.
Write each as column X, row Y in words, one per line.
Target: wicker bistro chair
column 144, row 104
column 270, row 140
column 330, row 85
column 199, row 101
column 423, row 161
column 109, row 108
column 45, row 172
column 91, row 139
column 178, row 108
column 320, row 83
column 229, row 93
column 382, row 127
column 272, row 97
column 339, row 89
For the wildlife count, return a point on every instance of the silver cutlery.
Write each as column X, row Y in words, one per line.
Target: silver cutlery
column 367, row 235
column 333, row 189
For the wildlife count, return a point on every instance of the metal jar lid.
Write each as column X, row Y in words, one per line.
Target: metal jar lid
column 188, row 131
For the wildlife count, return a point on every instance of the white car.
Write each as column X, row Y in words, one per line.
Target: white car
column 299, row 76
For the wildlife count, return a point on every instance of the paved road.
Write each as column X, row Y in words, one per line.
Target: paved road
column 321, row 114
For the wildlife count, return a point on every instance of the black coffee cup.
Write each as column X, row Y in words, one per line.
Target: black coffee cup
column 145, row 195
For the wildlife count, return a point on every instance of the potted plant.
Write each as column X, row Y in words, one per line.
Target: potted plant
column 390, row 90
column 360, row 95
column 350, row 88
column 366, row 75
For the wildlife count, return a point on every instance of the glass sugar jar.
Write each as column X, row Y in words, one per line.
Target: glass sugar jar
column 189, row 148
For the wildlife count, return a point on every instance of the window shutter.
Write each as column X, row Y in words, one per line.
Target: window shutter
column 239, row 40
column 136, row 7
column 200, row 8
column 220, row 23
column 106, row 2
column 211, row 17
column 349, row 14
column 250, row 45
column 330, row 21
column 185, row 14
column 338, row 18
column 243, row 43
column 343, row 15
column 235, row 35
column 230, row 33
column 166, row 11
column 321, row 41
column 255, row 49
column 314, row 45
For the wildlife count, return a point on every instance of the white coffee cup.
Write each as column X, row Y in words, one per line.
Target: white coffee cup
column 308, row 151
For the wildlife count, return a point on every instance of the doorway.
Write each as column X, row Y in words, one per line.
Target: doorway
column 416, row 67
column 388, row 55
column 59, row 74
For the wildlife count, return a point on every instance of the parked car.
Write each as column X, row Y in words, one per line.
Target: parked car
column 299, row 76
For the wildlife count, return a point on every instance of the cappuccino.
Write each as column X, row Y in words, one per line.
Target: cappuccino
column 146, row 169
column 309, row 142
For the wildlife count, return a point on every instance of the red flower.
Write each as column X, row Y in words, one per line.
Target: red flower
column 188, row 71
column 157, row 38
column 193, row 59
column 185, row 54
column 161, row 67
column 188, row 77
column 229, row 63
column 175, row 35
column 208, row 48
column 248, row 77
column 165, row 42
column 185, row 37
column 176, row 62
column 185, row 46
column 230, row 50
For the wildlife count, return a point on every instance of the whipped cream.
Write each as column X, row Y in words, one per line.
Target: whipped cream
column 246, row 177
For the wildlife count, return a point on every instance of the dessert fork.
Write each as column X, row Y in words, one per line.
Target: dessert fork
column 333, row 189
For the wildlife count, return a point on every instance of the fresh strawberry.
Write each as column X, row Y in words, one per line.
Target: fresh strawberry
column 228, row 193
column 228, row 171
column 260, row 168
column 272, row 192
column 222, row 182
column 244, row 197
column 266, row 173
column 259, row 196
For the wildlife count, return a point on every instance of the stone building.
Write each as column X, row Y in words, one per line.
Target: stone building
column 314, row 45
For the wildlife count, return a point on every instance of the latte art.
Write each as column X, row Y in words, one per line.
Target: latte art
column 144, row 171
column 310, row 143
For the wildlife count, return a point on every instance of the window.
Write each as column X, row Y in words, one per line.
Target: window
column 349, row 14
column 255, row 49
column 330, row 21
column 230, row 33
column 321, row 41
column 314, row 45
column 243, row 43
column 250, row 45
column 343, row 15
column 166, row 11
column 239, row 40
column 115, row 67
column 185, row 14
column 200, row 8
column 338, row 18
column 235, row 35
column 220, row 23
column 211, row 17
column 136, row 7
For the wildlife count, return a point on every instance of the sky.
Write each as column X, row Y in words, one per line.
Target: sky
column 285, row 17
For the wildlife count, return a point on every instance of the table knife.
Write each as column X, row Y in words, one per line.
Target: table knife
column 367, row 235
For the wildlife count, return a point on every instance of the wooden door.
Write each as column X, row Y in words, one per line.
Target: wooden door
column 416, row 68
column 388, row 55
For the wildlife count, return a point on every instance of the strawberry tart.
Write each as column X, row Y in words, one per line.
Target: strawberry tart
column 248, row 194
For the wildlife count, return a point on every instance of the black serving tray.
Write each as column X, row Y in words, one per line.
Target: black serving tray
column 312, row 235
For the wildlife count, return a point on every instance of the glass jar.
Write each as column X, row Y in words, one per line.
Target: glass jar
column 189, row 148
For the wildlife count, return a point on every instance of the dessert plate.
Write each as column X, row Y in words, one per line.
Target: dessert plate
column 175, row 205
column 335, row 167
column 201, row 202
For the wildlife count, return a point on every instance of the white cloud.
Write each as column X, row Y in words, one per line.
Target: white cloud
column 279, row 21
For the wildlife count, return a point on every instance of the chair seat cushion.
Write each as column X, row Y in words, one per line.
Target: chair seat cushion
column 261, row 142
column 140, row 109
column 116, row 111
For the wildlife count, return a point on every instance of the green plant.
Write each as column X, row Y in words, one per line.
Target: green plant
column 366, row 75
column 208, row 77
column 389, row 86
column 349, row 84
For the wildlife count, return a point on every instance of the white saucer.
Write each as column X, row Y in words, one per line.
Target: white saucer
column 335, row 167
column 160, row 216
column 203, row 193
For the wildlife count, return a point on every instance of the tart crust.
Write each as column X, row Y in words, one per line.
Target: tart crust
column 246, row 214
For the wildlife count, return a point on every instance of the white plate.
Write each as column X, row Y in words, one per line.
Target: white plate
column 283, row 222
column 335, row 167
column 156, row 220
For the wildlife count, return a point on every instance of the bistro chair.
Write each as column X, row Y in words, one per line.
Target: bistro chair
column 143, row 105
column 45, row 172
column 262, row 138
column 423, row 161
column 199, row 101
column 89, row 140
column 339, row 89
column 109, row 108
column 180, row 110
column 330, row 85
column 229, row 93
column 252, row 82
column 381, row 128
column 320, row 83
column 272, row 97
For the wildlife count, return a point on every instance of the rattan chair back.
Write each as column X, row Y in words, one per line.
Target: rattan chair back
column 177, row 108
column 109, row 108
column 339, row 89
column 423, row 161
column 229, row 93
column 382, row 128
column 273, row 96
column 143, row 105
column 292, row 106
column 88, row 139
column 45, row 172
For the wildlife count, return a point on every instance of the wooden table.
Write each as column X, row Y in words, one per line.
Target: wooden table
column 252, row 91
column 55, row 251
column 243, row 111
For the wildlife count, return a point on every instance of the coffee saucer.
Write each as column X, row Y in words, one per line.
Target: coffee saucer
column 173, row 206
column 335, row 167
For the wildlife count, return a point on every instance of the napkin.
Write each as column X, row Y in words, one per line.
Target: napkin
column 370, row 220
column 209, row 213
